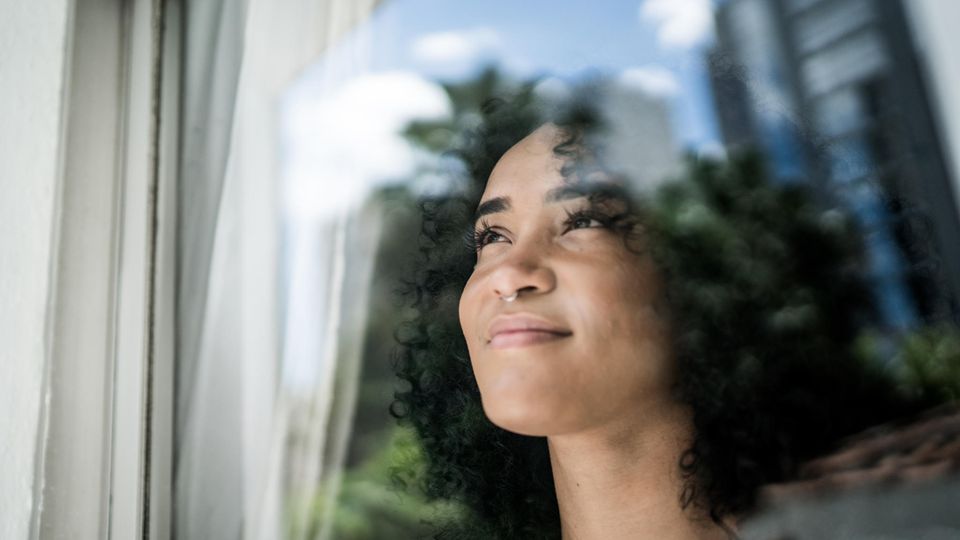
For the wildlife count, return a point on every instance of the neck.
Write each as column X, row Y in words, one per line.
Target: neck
column 623, row 481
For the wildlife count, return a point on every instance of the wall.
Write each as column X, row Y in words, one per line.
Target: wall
column 32, row 55
column 934, row 24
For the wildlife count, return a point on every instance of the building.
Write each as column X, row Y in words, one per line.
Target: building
column 638, row 138
column 830, row 91
column 640, row 141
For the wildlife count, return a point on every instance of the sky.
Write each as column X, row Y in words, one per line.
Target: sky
column 342, row 116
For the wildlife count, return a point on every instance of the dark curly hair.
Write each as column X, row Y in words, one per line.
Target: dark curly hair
column 766, row 299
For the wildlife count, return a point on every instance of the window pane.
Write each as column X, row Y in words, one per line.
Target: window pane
column 782, row 147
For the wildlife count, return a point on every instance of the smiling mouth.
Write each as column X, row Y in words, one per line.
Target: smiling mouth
column 524, row 338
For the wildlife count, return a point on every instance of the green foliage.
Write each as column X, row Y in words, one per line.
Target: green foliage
column 768, row 293
column 467, row 97
column 929, row 363
column 731, row 241
column 373, row 503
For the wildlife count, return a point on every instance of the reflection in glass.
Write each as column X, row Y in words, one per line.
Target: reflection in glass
column 291, row 435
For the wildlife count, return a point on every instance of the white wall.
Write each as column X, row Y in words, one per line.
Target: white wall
column 32, row 55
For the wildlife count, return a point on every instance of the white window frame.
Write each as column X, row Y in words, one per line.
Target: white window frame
column 104, row 452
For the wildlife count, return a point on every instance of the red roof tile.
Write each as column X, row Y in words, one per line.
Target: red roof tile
column 923, row 449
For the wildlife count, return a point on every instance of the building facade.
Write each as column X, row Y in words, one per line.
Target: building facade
column 830, row 91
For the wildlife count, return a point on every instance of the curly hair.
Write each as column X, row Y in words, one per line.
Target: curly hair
column 766, row 299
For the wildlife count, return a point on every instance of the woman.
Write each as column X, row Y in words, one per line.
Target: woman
column 626, row 365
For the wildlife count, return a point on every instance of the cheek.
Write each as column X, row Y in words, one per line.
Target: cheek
column 612, row 296
column 629, row 339
column 467, row 311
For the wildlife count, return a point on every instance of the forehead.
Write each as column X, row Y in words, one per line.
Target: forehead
column 530, row 167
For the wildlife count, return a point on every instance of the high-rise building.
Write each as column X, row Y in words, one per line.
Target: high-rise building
column 756, row 96
column 641, row 140
column 638, row 138
column 829, row 90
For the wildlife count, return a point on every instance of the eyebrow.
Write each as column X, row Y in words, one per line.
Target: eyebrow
column 494, row 205
column 562, row 193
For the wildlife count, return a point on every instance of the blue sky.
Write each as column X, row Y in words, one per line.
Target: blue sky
column 540, row 37
column 343, row 115
column 557, row 36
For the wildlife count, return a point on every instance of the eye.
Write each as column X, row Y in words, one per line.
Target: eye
column 585, row 219
column 488, row 236
column 484, row 235
column 584, row 222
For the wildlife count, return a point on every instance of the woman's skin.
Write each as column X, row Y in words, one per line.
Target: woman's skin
column 582, row 354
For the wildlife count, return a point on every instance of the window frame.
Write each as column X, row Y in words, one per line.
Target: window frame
column 104, row 451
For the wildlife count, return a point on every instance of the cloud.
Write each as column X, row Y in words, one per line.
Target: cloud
column 344, row 144
column 681, row 24
column 458, row 53
column 552, row 89
column 652, row 80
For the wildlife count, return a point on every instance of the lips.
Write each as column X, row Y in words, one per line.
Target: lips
column 521, row 330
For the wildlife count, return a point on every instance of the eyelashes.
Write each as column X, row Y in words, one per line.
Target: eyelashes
column 584, row 218
column 477, row 238
column 576, row 217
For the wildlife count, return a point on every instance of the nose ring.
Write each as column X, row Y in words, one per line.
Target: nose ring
column 510, row 298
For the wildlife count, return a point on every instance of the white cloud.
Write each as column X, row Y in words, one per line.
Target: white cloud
column 552, row 88
column 652, row 80
column 680, row 24
column 346, row 143
column 457, row 53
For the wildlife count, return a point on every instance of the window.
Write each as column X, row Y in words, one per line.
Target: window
column 235, row 207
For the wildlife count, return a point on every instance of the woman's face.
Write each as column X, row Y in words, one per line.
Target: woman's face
column 582, row 345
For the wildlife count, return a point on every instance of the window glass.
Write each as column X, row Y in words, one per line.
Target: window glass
column 857, row 56
column 725, row 113
column 830, row 21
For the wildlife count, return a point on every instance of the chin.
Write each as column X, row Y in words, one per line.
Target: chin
column 530, row 429
column 530, row 419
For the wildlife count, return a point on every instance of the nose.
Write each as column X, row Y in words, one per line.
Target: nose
column 524, row 271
